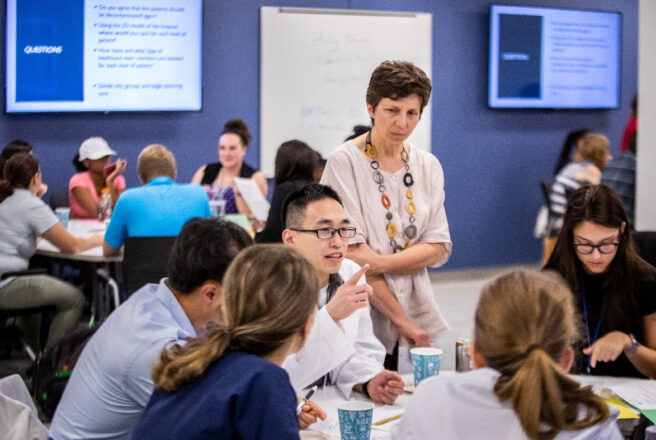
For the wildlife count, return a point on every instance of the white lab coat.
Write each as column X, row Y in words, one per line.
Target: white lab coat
column 348, row 350
column 463, row 406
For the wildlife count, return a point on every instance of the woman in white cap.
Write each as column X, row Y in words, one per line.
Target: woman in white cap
column 85, row 188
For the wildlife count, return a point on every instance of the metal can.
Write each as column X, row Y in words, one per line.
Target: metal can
column 463, row 357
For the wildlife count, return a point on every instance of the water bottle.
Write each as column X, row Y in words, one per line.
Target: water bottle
column 650, row 432
column 105, row 205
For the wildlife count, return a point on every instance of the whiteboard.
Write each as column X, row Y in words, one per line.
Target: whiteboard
column 315, row 69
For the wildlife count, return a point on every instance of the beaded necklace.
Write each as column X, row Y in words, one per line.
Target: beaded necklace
column 410, row 207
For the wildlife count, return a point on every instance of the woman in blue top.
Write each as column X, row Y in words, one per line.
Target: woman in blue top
column 228, row 383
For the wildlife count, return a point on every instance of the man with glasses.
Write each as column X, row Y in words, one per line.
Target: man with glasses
column 341, row 348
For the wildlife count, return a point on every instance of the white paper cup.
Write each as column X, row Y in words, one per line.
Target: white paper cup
column 426, row 362
column 355, row 420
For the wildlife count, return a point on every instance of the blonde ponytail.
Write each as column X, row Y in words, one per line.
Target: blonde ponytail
column 179, row 365
column 524, row 323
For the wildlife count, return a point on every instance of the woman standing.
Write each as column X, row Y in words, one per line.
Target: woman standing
column 228, row 383
column 296, row 163
column 23, row 218
column 614, row 289
column 233, row 145
column 525, row 325
column 85, row 188
column 394, row 195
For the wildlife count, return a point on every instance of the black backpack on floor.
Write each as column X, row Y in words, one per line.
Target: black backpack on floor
column 54, row 366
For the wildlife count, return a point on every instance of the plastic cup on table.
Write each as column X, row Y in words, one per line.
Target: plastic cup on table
column 355, row 420
column 63, row 214
column 426, row 362
column 217, row 208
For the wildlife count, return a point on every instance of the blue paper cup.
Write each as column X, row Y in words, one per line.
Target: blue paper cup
column 63, row 214
column 355, row 420
column 425, row 362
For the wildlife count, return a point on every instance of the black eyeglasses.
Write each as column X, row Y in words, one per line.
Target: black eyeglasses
column 328, row 233
column 604, row 248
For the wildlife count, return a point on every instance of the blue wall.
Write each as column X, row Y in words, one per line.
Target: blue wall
column 492, row 159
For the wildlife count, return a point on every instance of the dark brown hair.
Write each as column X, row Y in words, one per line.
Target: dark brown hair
column 600, row 205
column 269, row 292
column 18, row 172
column 398, row 79
column 524, row 322
column 238, row 127
column 14, row 147
column 295, row 160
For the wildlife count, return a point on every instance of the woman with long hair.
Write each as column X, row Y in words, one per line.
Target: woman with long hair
column 23, row 218
column 525, row 325
column 229, row 383
column 233, row 144
column 614, row 289
column 294, row 168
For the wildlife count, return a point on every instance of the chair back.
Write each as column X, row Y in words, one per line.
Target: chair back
column 59, row 200
column 145, row 260
column 646, row 243
column 546, row 192
column 546, row 188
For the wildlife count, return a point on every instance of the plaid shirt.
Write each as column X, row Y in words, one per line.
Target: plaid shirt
column 619, row 175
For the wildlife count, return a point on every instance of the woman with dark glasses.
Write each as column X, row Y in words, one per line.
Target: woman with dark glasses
column 614, row 289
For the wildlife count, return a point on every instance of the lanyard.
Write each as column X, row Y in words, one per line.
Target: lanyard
column 585, row 317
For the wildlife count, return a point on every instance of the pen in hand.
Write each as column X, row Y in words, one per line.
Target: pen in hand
column 309, row 394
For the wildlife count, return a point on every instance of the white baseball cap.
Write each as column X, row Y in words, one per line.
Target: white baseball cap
column 95, row 148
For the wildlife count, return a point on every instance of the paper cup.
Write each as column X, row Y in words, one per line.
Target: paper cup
column 355, row 420
column 425, row 362
column 63, row 214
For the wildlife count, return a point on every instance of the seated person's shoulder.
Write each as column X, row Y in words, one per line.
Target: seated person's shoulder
column 78, row 179
column 589, row 174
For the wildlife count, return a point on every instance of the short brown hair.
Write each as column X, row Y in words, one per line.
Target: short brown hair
column 594, row 148
column 398, row 79
column 155, row 160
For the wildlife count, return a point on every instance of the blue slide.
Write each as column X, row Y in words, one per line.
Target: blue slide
column 520, row 47
column 50, row 50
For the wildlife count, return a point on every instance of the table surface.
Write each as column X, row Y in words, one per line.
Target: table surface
column 82, row 229
column 329, row 397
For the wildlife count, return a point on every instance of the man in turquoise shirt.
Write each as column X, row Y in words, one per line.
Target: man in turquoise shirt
column 157, row 209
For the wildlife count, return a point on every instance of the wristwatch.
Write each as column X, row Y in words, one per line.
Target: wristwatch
column 633, row 347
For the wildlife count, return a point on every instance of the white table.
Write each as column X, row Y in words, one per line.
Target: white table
column 82, row 229
column 329, row 397
column 86, row 229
